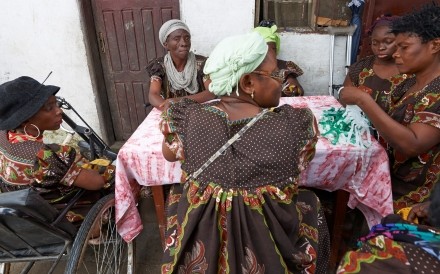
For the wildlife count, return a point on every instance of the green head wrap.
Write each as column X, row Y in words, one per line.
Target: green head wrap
column 231, row 58
column 269, row 35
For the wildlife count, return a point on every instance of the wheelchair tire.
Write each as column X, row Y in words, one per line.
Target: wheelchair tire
column 105, row 254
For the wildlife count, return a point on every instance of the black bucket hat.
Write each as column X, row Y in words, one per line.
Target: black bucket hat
column 21, row 99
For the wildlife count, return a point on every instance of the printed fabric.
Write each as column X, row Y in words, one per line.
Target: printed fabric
column 362, row 75
column 156, row 70
column 414, row 178
column 245, row 212
column 396, row 247
column 51, row 169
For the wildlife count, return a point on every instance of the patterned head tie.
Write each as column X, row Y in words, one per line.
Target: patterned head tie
column 270, row 34
column 231, row 58
column 170, row 26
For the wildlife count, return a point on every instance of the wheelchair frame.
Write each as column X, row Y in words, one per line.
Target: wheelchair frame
column 75, row 248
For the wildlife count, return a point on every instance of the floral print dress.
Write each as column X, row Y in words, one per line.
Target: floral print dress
column 245, row 212
column 51, row 169
column 395, row 246
column 414, row 178
column 362, row 75
column 156, row 70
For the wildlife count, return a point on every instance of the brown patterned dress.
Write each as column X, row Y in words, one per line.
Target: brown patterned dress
column 245, row 212
column 49, row 168
column 413, row 179
column 156, row 68
column 361, row 73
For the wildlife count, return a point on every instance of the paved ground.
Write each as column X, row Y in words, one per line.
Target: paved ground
column 148, row 246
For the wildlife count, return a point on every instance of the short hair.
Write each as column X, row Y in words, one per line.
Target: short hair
column 425, row 23
column 383, row 20
column 267, row 23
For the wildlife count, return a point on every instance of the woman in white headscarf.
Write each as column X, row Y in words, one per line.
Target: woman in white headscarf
column 241, row 211
column 180, row 72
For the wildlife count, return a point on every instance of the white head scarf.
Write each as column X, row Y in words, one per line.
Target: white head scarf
column 233, row 57
column 170, row 26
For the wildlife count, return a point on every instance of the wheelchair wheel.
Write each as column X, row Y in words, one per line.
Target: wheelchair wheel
column 104, row 253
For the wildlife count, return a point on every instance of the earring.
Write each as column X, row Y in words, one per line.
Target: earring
column 30, row 136
column 252, row 95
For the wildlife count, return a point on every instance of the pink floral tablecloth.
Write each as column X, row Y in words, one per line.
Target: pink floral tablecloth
column 364, row 173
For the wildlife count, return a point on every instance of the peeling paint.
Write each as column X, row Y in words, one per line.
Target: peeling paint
column 129, row 25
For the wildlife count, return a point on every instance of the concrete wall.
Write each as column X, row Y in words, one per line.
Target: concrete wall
column 37, row 37
column 311, row 51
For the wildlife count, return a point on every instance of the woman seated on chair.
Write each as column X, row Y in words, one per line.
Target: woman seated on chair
column 180, row 72
column 411, row 128
column 399, row 246
column 242, row 212
column 378, row 74
column 27, row 109
column 289, row 70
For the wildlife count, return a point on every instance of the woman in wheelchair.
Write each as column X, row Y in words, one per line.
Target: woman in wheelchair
column 56, row 171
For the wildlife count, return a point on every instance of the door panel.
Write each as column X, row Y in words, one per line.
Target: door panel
column 128, row 34
column 376, row 8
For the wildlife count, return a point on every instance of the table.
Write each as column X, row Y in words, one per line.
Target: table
column 364, row 174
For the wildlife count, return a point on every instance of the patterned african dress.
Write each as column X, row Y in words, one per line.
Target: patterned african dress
column 244, row 213
column 413, row 179
column 395, row 246
column 156, row 70
column 362, row 75
column 51, row 169
column 289, row 68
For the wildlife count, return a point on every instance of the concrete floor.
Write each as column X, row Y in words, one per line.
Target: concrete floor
column 147, row 244
column 149, row 249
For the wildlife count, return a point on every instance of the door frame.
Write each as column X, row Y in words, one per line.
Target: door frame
column 96, row 71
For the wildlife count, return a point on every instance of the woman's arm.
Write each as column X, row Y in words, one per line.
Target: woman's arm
column 348, row 82
column 154, row 96
column 411, row 140
column 167, row 153
column 202, row 97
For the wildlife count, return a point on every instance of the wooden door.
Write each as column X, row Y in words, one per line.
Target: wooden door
column 376, row 8
column 127, row 32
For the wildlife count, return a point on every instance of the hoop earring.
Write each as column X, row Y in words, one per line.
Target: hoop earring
column 30, row 136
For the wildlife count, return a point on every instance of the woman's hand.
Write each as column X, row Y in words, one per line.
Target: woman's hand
column 419, row 211
column 352, row 95
column 293, row 88
column 166, row 104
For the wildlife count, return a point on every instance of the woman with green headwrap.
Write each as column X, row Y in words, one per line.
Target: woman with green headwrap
column 288, row 69
column 239, row 208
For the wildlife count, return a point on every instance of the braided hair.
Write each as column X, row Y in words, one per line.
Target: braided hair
column 424, row 23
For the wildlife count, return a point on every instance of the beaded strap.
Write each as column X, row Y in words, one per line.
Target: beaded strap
column 234, row 138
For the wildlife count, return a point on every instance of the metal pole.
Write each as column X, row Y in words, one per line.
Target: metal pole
column 332, row 51
column 333, row 31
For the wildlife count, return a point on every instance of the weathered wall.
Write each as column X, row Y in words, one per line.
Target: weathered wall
column 37, row 37
column 210, row 21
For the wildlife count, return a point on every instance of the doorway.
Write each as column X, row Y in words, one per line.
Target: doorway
column 126, row 35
